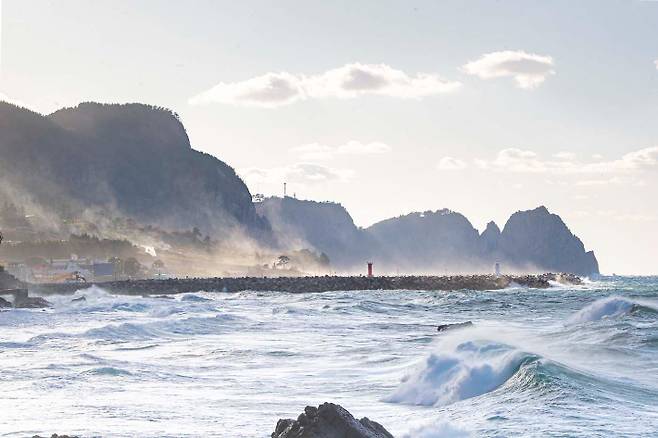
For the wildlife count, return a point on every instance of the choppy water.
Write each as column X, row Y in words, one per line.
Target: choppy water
column 560, row 362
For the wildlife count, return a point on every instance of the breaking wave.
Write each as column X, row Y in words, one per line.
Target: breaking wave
column 472, row 369
column 611, row 307
column 162, row 329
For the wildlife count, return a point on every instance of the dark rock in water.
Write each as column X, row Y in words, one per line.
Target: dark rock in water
column 329, row 421
column 164, row 297
column 446, row 327
column 8, row 281
column 32, row 303
column 56, row 436
column 79, row 299
column 4, row 303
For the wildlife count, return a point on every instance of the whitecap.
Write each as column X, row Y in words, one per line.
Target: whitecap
column 609, row 307
column 472, row 369
column 439, row 429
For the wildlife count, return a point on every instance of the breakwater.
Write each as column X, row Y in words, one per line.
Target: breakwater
column 313, row 284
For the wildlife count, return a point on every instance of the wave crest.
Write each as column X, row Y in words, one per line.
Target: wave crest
column 472, row 369
column 610, row 307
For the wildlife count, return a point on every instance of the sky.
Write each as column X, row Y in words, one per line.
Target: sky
column 388, row 107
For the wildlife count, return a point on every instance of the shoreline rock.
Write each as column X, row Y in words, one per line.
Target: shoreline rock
column 4, row 304
column 31, row 303
column 315, row 284
column 457, row 325
column 328, row 421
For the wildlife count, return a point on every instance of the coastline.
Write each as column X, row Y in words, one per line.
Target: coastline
column 312, row 284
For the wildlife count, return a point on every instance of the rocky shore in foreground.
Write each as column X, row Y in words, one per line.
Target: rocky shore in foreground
column 328, row 421
column 314, row 284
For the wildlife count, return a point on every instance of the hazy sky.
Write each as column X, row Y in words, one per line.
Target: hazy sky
column 385, row 106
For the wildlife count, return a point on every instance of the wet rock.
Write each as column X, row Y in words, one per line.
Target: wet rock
column 56, row 436
column 32, row 303
column 446, row 327
column 81, row 299
column 4, row 304
column 329, row 421
column 164, row 288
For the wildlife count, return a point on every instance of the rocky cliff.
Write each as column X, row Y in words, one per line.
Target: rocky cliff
column 133, row 159
column 539, row 240
column 136, row 161
column 432, row 242
column 436, row 241
column 324, row 226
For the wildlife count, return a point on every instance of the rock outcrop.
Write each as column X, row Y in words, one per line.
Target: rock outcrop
column 539, row 240
column 133, row 159
column 454, row 326
column 329, row 421
column 490, row 240
column 56, row 436
column 8, row 281
column 324, row 226
column 432, row 241
column 31, row 303
column 160, row 288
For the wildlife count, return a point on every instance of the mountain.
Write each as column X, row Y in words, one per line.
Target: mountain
column 490, row 239
column 539, row 239
column 431, row 242
column 325, row 226
column 133, row 159
column 427, row 242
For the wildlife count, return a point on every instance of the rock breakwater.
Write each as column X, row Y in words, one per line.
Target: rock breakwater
column 314, row 284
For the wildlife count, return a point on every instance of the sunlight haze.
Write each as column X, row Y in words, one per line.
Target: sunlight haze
column 386, row 107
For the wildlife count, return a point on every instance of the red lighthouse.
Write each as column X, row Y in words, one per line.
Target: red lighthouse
column 369, row 269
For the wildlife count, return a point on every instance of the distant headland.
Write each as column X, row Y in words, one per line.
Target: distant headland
column 115, row 192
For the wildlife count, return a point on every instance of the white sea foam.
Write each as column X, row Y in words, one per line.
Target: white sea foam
column 438, row 429
column 472, row 369
column 610, row 307
column 146, row 362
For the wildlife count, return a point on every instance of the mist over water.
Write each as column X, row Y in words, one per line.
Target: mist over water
column 567, row 361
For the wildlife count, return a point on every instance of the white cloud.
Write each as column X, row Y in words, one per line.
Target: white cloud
column 346, row 82
column 565, row 156
column 615, row 180
column 523, row 161
column 269, row 90
column 356, row 79
column 451, row 163
column 529, row 70
column 623, row 170
column 642, row 159
column 356, row 148
column 307, row 173
column 656, row 63
column 314, row 151
column 317, row 151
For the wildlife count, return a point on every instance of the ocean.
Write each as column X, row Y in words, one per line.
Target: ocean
column 564, row 362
